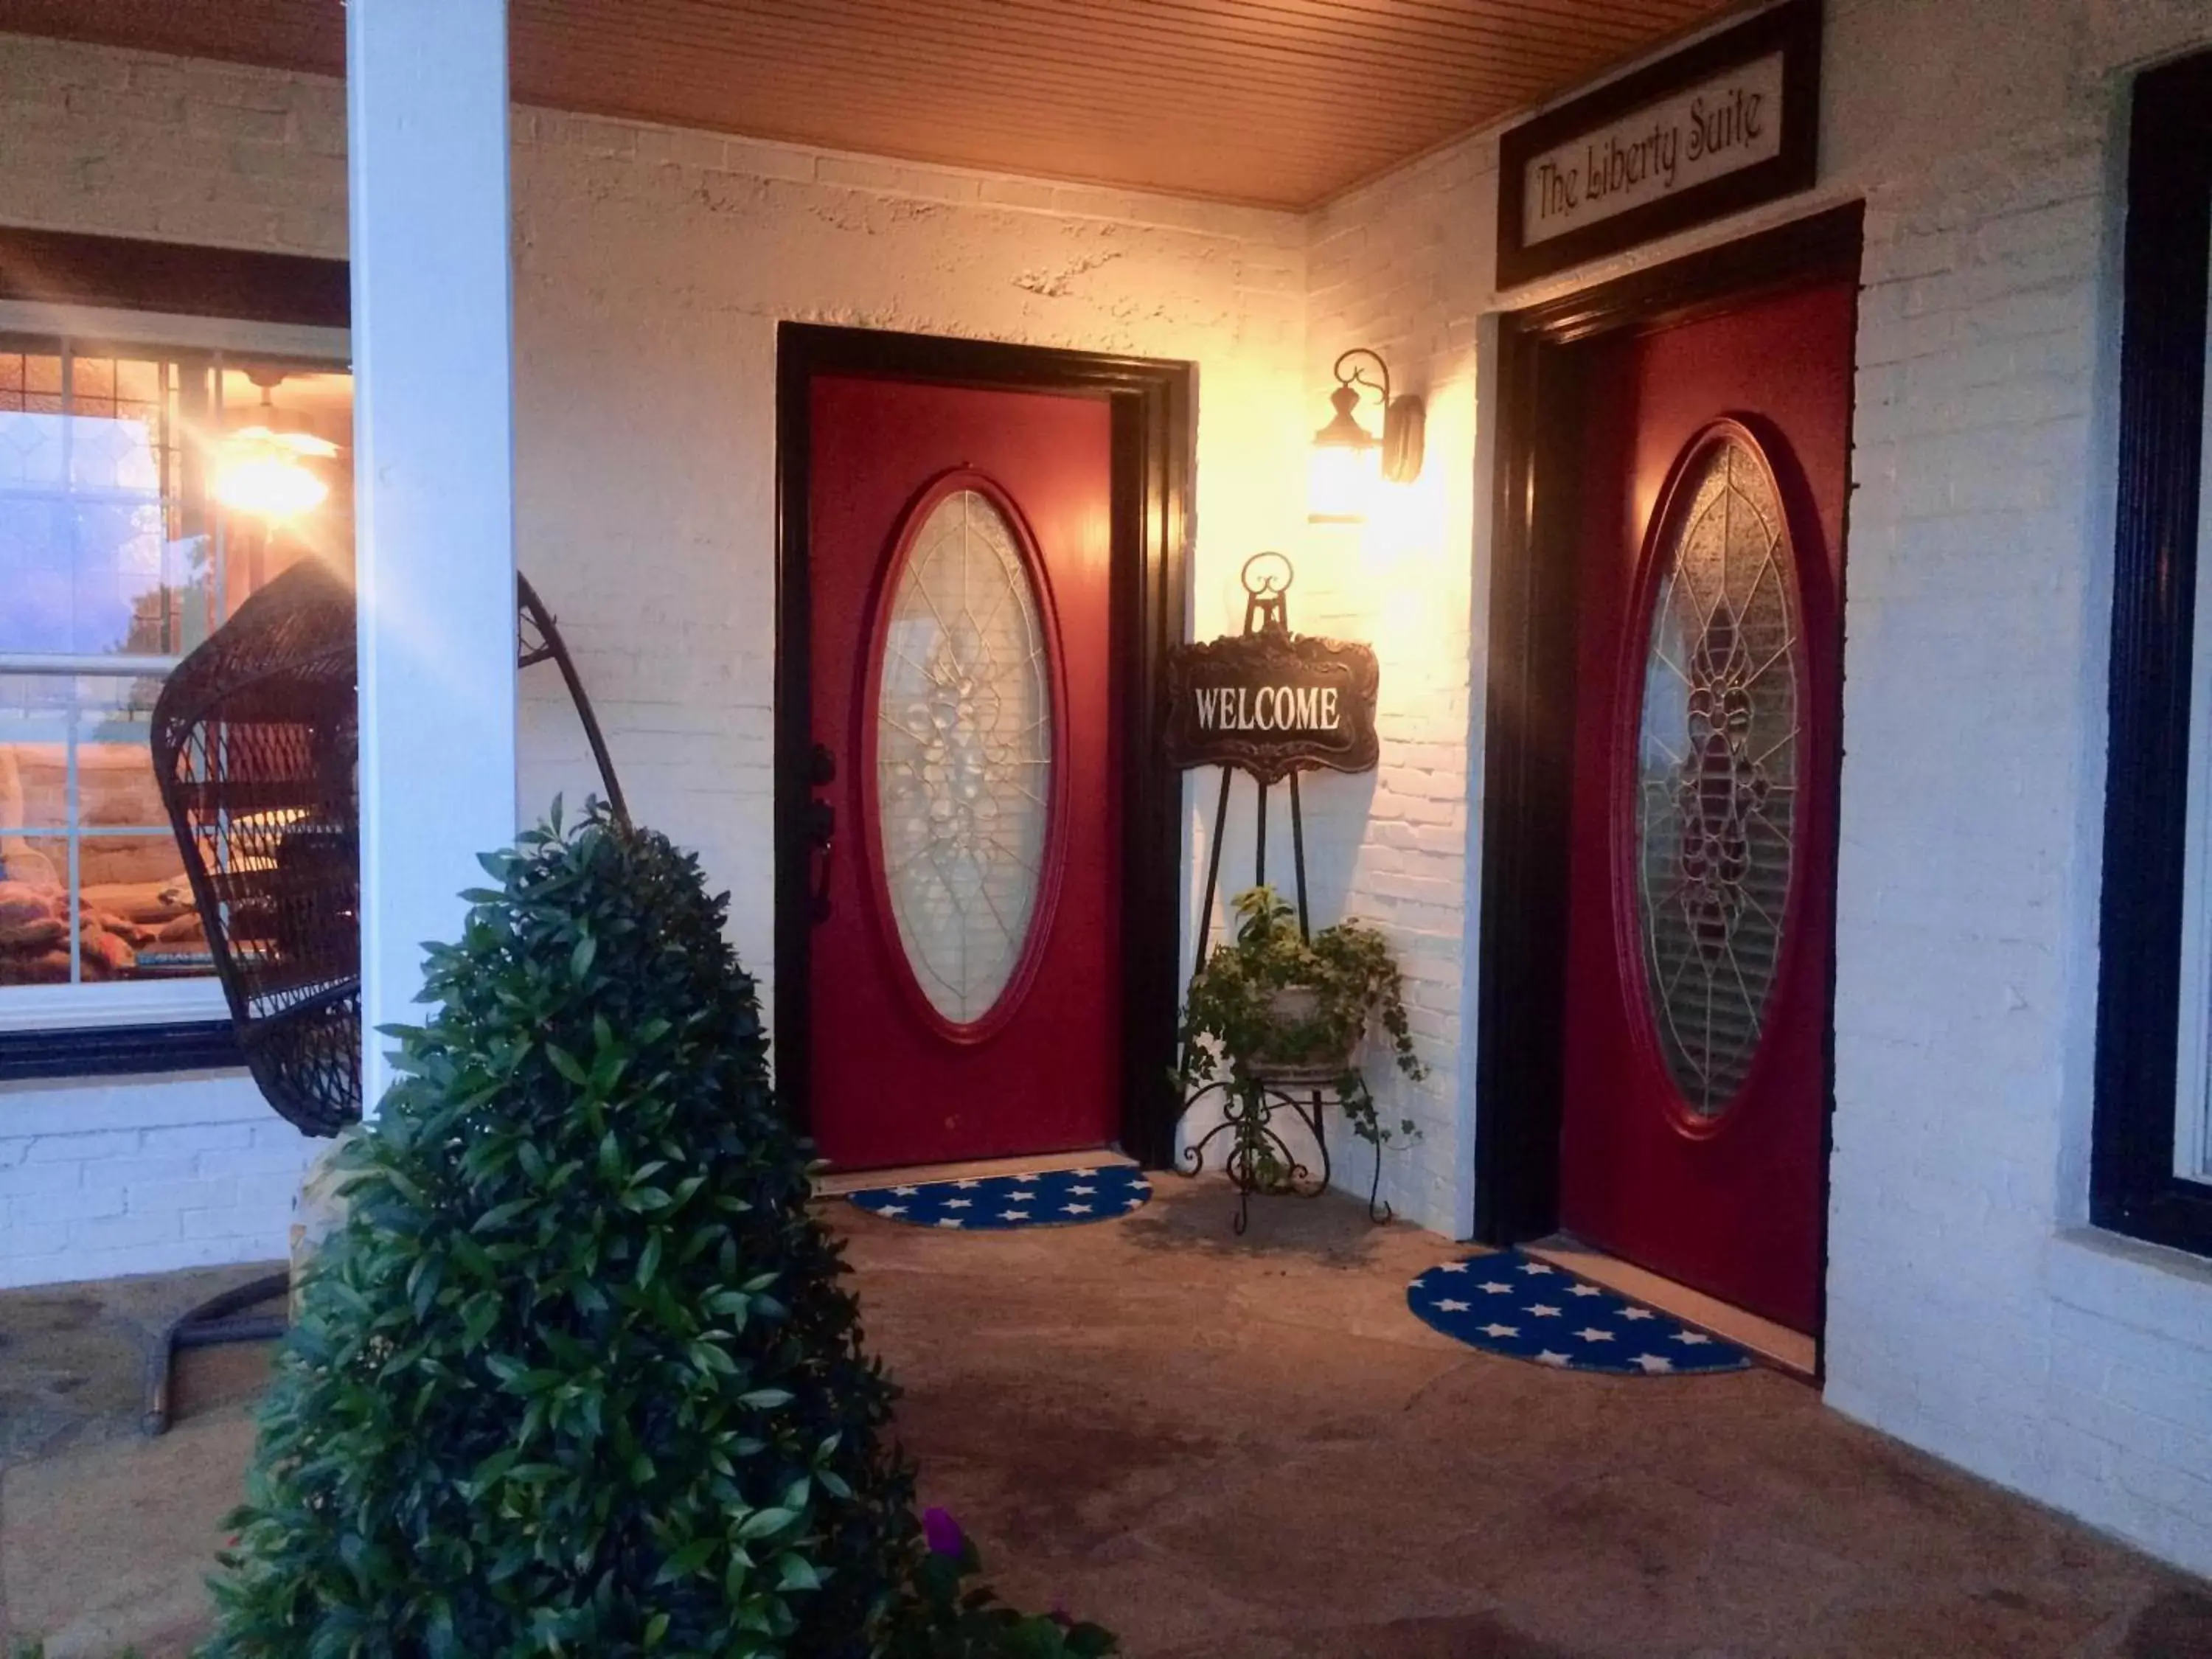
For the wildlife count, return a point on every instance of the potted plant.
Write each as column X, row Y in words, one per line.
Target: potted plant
column 1281, row 1012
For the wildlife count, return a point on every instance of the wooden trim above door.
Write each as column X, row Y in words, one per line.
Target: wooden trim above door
column 1528, row 735
column 1152, row 413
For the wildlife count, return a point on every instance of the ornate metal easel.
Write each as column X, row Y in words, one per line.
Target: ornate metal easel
column 1260, row 1158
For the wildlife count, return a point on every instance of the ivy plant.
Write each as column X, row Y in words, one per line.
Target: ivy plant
column 1234, row 1019
column 581, row 1373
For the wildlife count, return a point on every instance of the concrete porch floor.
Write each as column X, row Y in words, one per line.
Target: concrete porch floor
column 1227, row 1447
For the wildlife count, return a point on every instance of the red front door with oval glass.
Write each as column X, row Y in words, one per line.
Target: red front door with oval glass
column 1702, row 851
column 965, row 973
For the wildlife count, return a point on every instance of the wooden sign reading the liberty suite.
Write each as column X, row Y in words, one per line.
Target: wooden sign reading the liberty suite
column 1272, row 704
column 1711, row 129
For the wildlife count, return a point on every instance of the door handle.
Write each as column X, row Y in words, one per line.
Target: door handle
column 821, row 840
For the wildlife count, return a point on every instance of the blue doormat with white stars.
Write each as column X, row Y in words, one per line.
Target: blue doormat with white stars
column 1051, row 1198
column 1516, row 1305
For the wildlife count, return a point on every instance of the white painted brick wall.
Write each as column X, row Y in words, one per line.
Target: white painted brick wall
column 1394, row 267
column 116, row 1175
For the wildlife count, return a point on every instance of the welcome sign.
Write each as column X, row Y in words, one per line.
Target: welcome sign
column 1714, row 129
column 1272, row 704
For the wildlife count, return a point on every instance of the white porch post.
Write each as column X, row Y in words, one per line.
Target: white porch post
column 434, row 476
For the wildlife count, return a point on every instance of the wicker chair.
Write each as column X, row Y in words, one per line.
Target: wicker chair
column 257, row 749
column 255, row 744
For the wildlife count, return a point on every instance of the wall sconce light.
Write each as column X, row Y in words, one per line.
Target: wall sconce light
column 1348, row 461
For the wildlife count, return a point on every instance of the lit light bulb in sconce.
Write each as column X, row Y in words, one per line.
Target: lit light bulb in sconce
column 1345, row 480
column 270, row 472
column 1350, row 464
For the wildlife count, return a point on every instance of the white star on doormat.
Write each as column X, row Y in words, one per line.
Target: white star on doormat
column 1075, row 1209
column 1453, row 1267
column 1544, row 1311
column 1021, row 1195
column 1547, row 1358
column 1013, row 1215
column 905, row 1192
column 1447, row 1305
column 1083, row 1189
column 1083, row 1172
column 959, row 1203
column 948, row 1222
column 1134, row 1203
column 1586, row 1289
column 1696, row 1339
column 1501, row 1330
column 1652, row 1364
column 892, row 1209
column 970, row 1182
column 1534, row 1267
column 1494, row 1288
column 1592, row 1334
column 1636, row 1312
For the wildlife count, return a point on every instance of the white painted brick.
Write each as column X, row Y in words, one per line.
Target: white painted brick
column 195, row 1138
column 48, row 1176
column 60, row 1208
column 32, row 1253
column 84, row 1148
column 125, row 1231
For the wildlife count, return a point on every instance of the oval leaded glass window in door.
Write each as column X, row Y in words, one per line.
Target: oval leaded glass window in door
column 1715, row 787
column 964, row 752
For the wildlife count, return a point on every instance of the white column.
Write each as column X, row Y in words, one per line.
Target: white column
column 434, row 476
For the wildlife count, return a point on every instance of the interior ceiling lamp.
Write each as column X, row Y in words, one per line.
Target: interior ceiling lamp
column 1349, row 460
column 268, row 470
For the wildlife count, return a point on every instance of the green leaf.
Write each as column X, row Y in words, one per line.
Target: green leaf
column 761, row 1523
column 795, row 1572
column 688, row 1560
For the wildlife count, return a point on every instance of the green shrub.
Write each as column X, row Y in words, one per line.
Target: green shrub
column 577, row 1375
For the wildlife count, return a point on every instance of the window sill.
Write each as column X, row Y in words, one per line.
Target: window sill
column 119, row 1050
column 2152, row 1287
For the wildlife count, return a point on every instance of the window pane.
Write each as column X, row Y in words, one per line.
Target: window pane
column 101, row 894
column 34, row 725
column 89, row 525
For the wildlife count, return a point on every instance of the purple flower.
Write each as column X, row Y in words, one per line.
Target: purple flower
column 941, row 1533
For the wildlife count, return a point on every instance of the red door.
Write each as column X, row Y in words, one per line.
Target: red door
column 1702, row 856
column 966, row 977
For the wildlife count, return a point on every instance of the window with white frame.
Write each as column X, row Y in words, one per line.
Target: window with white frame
column 145, row 491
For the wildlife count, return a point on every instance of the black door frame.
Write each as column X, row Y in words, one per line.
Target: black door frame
column 1151, row 403
column 1528, row 744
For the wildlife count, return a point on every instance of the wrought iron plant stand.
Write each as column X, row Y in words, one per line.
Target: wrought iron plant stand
column 256, row 743
column 1259, row 1158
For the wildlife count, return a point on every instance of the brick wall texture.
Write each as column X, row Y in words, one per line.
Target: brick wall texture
column 1970, row 1310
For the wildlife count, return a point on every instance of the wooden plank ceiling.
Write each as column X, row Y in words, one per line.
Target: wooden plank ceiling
column 1283, row 103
